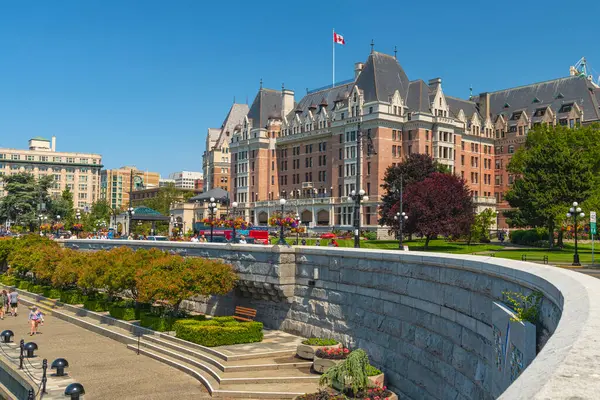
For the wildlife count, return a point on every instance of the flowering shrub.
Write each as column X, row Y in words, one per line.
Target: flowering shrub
column 320, row 342
column 213, row 222
column 299, row 229
column 238, row 223
column 374, row 393
column 322, row 395
column 286, row 221
column 333, row 353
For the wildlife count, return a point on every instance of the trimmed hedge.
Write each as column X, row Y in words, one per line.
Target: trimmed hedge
column 9, row 280
column 37, row 289
column 24, row 285
column 124, row 313
column 97, row 305
column 53, row 293
column 163, row 323
column 529, row 237
column 72, row 297
column 218, row 331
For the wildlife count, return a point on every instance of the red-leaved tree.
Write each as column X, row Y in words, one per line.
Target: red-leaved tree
column 441, row 204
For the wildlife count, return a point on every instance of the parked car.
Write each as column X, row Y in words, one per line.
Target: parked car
column 158, row 238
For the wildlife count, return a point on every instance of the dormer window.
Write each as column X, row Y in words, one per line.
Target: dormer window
column 516, row 115
column 559, row 96
column 535, row 100
column 354, row 98
column 506, row 105
column 566, row 108
column 540, row 112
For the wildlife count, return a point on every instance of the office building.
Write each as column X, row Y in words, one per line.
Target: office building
column 115, row 184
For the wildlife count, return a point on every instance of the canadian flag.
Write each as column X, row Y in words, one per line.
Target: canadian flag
column 339, row 39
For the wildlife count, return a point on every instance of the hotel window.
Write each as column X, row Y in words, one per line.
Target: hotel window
column 30, row 158
column 393, row 151
column 427, row 149
column 70, row 160
column 511, row 149
column 2, row 156
column 15, row 157
column 368, row 168
column 394, row 134
column 462, row 160
column 370, row 110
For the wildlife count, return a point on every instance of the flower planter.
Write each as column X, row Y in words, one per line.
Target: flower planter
column 377, row 380
column 321, row 365
column 308, row 352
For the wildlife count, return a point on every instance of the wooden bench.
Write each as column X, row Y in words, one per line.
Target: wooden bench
column 244, row 314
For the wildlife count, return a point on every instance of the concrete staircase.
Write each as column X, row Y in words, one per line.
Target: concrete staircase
column 256, row 374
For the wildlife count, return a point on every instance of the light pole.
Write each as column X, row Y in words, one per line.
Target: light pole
column 131, row 212
column 281, row 233
column 357, row 198
column 497, row 224
column 574, row 212
column 78, row 216
column 57, row 226
column 297, row 229
column 212, row 209
column 42, row 219
column 401, row 217
column 234, row 206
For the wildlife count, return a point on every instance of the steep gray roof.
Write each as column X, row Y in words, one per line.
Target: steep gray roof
column 212, row 137
column 235, row 116
column 381, row 77
column 330, row 95
column 220, row 195
column 266, row 102
column 572, row 89
column 417, row 99
column 455, row 105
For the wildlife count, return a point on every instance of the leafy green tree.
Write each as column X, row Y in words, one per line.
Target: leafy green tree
column 166, row 196
column 415, row 168
column 480, row 230
column 556, row 166
column 63, row 207
column 25, row 198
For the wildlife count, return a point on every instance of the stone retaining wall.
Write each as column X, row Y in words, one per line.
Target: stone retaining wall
column 424, row 318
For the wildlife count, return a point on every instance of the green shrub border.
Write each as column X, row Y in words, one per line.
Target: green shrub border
column 219, row 331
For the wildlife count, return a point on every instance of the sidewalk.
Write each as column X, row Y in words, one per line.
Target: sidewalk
column 106, row 368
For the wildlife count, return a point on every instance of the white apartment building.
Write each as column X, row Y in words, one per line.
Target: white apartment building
column 185, row 179
column 79, row 172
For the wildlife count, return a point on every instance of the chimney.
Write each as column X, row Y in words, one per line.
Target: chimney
column 435, row 84
column 358, row 67
column 53, row 148
column 484, row 105
column 287, row 99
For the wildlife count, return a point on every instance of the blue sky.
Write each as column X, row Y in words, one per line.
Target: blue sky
column 141, row 81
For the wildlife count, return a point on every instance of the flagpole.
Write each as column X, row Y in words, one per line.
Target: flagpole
column 333, row 57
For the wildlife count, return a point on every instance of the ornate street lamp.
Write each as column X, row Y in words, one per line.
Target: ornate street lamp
column 358, row 199
column 212, row 209
column 297, row 229
column 401, row 217
column 234, row 207
column 42, row 219
column 130, row 212
column 57, row 227
column 281, row 233
column 574, row 212
column 497, row 224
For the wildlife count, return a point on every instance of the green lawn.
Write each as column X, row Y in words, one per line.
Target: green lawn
column 564, row 256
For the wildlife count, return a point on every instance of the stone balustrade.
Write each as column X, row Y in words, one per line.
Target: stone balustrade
column 424, row 318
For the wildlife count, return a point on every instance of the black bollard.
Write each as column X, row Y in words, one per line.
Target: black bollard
column 74, row 390
column 30, row 348
column 59, row 365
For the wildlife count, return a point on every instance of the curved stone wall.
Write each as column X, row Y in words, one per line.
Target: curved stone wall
column 424, row 318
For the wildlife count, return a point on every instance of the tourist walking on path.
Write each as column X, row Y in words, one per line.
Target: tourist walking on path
column 14, row 301
column 36, row 318
column 3, row 303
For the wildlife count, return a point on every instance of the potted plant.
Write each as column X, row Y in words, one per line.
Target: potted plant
column 375, row 376
column 327, row 357
column 322, row 395
column 351, row 377
column 307, row 348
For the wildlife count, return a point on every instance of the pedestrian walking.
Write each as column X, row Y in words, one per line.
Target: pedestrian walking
column 6, row 302
column 3, row 302
column 36, row 318
column 14, row 302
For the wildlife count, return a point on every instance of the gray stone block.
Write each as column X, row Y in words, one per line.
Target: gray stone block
column 457, row 299
column 425, row 290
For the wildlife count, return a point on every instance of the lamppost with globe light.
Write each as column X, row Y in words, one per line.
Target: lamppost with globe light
column 401, row 217
column 212, row 209
column 78, row 216
column 234, row 207
column 57, row 226
column 297, row 229
column 357, row 198
column 574, row 212
column 42, row 219
column 130, row 212
column 281, row 233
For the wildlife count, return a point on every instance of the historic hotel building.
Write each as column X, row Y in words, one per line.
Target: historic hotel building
column 305, row 151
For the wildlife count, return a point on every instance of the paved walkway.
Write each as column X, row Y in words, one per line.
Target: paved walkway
column 106, row 368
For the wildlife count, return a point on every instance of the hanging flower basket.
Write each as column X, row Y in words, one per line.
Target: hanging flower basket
column 45, row 227
column 58, row 226
column 286, row 221
column 213, row 222
column 238, row 223
column 77, row 227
